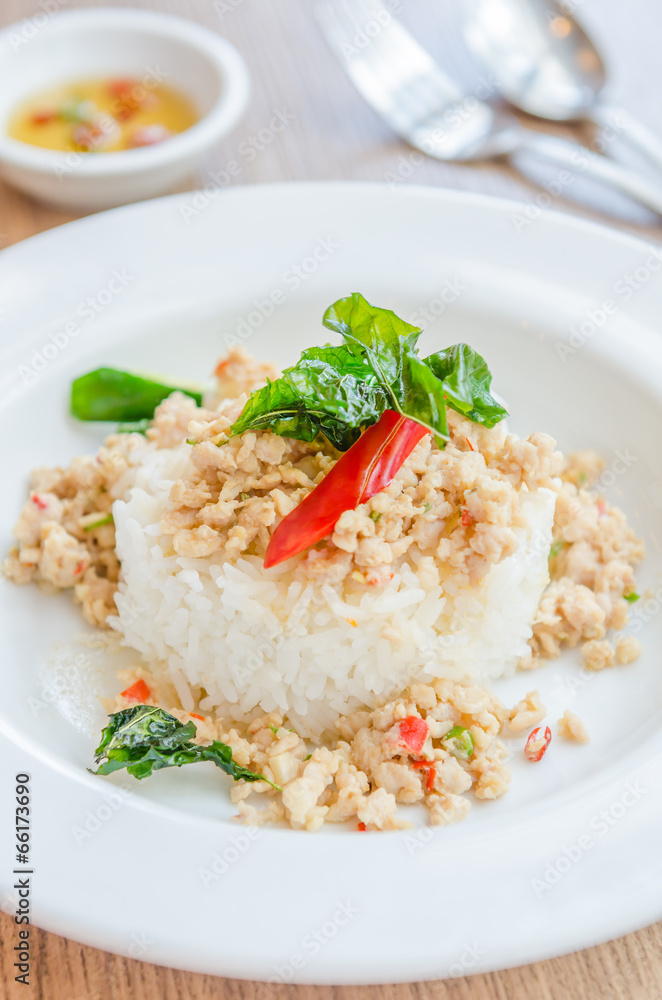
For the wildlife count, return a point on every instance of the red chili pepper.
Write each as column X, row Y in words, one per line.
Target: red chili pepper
column 137, row 692
column 38, row 502
column 467, row 518
column 118, row 88
column 536, row 745
column 469, row 443
column 413, row 733
column 427, row 765
column 362, row 827
column 123, row 112
column 43, row 117
column 79, row 568
column 194, row 715
column 367, row 468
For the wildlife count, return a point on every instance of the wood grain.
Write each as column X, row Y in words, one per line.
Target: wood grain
column 627, row 969
column 333, row 135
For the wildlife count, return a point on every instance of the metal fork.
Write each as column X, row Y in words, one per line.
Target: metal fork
column 403, row 84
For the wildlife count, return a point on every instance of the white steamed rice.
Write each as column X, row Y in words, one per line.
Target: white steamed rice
column 258, row 641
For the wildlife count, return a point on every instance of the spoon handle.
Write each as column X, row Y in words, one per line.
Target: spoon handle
column 618, row 120
column 581, row 161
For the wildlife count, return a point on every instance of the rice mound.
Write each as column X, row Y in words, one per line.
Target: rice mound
column 238, row 639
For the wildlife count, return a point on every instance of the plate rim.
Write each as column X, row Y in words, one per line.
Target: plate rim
column 476, row 200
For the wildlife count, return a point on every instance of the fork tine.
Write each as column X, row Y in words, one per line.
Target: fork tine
column 342, row 31
column 390, row 69
column 396, row 53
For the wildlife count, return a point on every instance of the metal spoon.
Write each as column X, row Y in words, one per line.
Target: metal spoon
column 404, row 85
column 545, row 63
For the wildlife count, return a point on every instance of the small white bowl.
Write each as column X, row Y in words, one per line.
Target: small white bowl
column 48, row 50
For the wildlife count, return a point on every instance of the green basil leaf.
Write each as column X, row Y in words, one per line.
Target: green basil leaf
column 467, row 381
column 385, row 338
column 110, row 394
column 389, row 346
column 144, row 739
column 339, row 391
column 329, row 391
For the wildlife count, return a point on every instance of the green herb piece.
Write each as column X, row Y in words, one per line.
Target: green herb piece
column 106, row 519
column 109, row 394
column 427, row 507
column 191, row 441
column 73, row 109
column 308, row 756
column 274, row 729
column 459, row 742
column 329, row 391
column 556, row 548
column 134, row 426
column 144, row 739
column 388, row 344
column 374, row 515
column 632, row 598
column 339, row 391
column 243, row 496
column 467, row 381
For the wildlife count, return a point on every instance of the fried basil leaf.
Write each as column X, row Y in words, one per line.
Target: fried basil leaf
column 388, row 344
column 467, row 381
column 339, row 391
column 329, row 391
column 144, row 739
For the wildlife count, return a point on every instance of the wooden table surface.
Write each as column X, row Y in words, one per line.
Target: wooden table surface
column 333, row 135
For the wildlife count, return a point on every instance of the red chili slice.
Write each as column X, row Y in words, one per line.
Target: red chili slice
column 365, row 469
column 467, row 518
column 194, row 715
column 88, row 136
column 43, row 117
column 120, row 87
column 427, row 765
column 362, row 827
column 536, row 745
column 137, row 692
column 413, row 733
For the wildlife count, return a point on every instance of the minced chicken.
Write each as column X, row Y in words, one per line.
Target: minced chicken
column 458, row 507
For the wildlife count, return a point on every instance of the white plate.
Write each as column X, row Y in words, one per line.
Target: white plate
column 507, row 886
